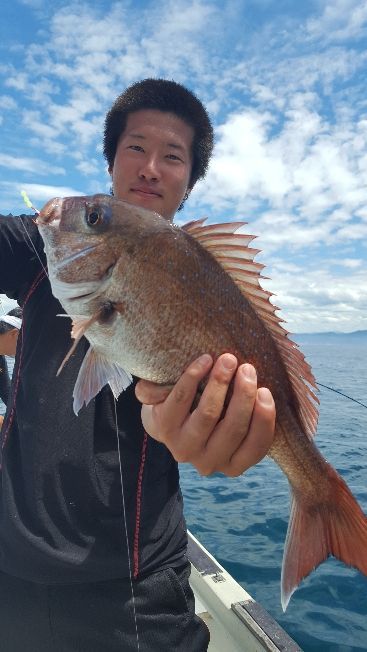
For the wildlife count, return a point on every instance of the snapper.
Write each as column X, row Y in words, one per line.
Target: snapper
column 150, row 297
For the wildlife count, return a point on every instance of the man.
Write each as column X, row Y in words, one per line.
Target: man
column 10, row 324
column 93, row 556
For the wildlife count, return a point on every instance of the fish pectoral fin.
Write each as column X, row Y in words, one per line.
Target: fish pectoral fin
column 336, row 527
column 95, row 372
column 79, row 325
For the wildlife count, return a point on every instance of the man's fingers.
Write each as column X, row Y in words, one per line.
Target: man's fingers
column 203, row 421
column 233, row 429
column 178, row 403
column 230, row 444
column 208, row 412
column 260, row 437
column 165, row 420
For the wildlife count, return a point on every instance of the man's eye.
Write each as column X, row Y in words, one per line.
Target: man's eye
column 136, row 148
column 174, row 157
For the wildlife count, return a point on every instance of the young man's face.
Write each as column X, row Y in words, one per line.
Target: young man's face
column 153, row 161
column 8, row 342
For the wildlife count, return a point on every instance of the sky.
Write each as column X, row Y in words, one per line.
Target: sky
column 285, row 85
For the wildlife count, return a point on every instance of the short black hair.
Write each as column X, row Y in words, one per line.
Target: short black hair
column 4, row 327
column 171, row 97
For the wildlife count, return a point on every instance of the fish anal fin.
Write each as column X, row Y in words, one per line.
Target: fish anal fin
column 336, row 527
column 96, row 372
column 230, row 247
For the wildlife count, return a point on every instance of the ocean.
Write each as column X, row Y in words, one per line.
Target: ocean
column 243, row 521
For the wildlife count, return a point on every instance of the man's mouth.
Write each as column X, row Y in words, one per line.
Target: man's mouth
column 146, row 192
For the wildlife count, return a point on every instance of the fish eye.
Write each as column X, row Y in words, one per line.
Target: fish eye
column 93, row 218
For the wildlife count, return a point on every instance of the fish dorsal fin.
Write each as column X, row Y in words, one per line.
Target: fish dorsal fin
column 232, row 251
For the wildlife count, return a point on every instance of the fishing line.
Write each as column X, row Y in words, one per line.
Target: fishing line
column 125, row 523
column 34, row 248
column 29, row 204
column 342, row 394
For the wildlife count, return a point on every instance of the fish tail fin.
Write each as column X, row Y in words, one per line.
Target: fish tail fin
column 316, row 530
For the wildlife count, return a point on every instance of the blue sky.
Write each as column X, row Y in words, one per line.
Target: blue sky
column 285, row 85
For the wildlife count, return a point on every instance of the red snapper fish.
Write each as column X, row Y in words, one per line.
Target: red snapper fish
column 151, row 297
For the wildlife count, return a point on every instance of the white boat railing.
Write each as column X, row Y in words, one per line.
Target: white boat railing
column 237, row 623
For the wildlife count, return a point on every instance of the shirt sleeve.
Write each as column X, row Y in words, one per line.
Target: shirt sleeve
column 21, row 254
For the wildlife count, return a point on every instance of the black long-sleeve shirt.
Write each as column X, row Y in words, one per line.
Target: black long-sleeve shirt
column 61, row 515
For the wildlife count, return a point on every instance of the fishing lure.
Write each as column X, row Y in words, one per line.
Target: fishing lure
column 28, row 202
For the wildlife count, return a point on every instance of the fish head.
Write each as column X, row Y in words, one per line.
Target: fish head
column 87, row 242
column 75, row 234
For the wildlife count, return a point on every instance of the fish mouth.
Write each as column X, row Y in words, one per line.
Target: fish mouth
column 82, row 296
column 50, row 212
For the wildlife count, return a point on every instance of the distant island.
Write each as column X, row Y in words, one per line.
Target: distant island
column 354, row 335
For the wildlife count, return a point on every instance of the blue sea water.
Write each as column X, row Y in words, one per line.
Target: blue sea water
column 243, row 521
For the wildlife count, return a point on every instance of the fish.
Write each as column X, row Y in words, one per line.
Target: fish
column 151, row 297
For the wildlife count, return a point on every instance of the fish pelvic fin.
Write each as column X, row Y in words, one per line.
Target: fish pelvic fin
column 337, row 527
column 96, row 372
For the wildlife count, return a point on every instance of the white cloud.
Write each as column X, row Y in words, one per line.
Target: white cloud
column 76, row 66
column 7, row 103
column 38, row 191
column 318, row 300
column 29, row 165
column 12, row 201
column 88, row 167
column 291, row 138
column 304, row 168
column 352, row 263
column 341, row 19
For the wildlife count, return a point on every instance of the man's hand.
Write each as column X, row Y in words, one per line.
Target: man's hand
column 230, row 444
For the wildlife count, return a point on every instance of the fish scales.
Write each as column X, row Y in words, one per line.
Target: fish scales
column 151, row 298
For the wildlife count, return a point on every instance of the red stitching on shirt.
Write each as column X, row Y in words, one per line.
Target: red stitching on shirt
column 9, row 421
column 138, row 505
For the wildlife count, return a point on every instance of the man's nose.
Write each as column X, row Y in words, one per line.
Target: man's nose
column 150, row 169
